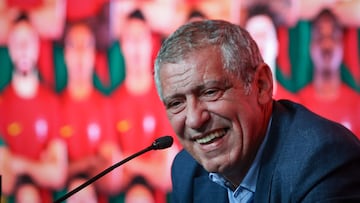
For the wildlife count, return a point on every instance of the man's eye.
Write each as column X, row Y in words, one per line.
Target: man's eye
column 212, row 94
column 175, row 106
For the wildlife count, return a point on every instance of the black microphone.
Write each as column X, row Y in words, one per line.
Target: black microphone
column 160, row 143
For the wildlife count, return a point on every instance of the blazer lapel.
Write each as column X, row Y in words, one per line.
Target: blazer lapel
column 271, row 153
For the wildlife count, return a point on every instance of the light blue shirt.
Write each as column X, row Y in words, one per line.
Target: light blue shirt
column 244, row 193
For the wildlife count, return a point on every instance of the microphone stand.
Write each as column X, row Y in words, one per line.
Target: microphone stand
column 93, row 179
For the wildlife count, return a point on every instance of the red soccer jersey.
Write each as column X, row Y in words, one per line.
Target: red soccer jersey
column 139, row 119
column 344, row 108
column 28, row 124
column 77, row 10
column 84, row 124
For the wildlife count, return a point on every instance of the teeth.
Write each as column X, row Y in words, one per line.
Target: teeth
column 210, row 137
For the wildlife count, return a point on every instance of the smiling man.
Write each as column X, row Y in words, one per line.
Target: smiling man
column 241, row 145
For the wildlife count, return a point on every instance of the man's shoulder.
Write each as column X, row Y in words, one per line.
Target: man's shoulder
column 296, row 117
column 305, row 150
column 293, row 124
column 298, row 138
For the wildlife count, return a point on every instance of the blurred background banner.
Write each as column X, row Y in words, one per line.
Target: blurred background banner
column 77, row 93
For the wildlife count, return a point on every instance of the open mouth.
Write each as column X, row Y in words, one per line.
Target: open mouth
column 211, row 137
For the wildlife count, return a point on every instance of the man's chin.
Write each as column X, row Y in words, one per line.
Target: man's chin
column 213, row 167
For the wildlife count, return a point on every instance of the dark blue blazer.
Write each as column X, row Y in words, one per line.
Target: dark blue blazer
column 306, row 159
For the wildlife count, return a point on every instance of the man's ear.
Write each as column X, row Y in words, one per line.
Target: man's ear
column 264, row 83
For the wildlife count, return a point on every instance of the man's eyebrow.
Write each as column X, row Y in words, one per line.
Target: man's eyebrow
column 172, row 96
column 221, row 82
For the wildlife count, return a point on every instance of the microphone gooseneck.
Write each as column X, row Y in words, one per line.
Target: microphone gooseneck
column 160, row 143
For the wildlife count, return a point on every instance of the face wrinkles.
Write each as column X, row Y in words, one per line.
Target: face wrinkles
column 181, row 77
column 178, row 84
column 214, row 120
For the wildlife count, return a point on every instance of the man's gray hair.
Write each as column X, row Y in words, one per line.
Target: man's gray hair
column 240, row 54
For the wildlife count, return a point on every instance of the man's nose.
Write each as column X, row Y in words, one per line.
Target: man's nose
column 196, row 114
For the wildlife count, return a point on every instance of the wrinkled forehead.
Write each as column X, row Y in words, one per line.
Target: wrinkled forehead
column 196, row 70
column 182, row 51
column 202, row 63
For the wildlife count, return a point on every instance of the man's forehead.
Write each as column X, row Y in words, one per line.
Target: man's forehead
column 204, row 63
column 187, row 74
